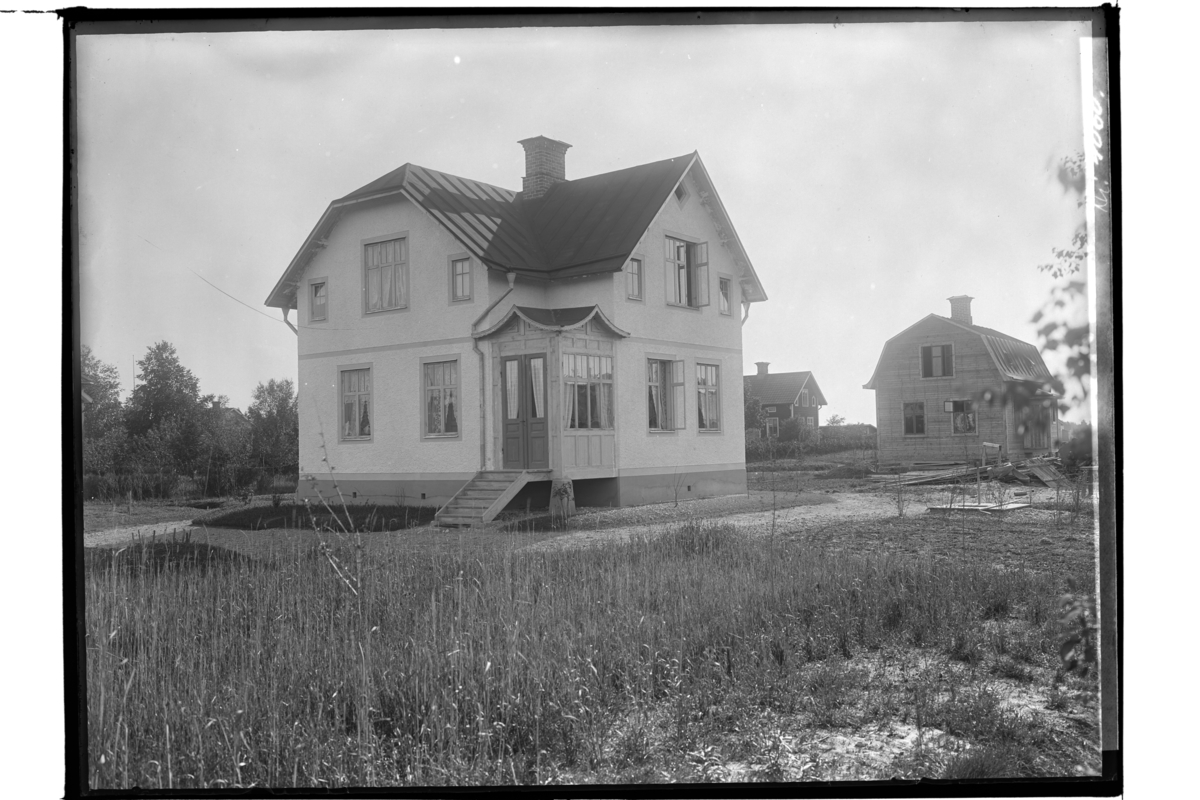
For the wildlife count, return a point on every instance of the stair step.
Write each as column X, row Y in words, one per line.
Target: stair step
column 469, row 505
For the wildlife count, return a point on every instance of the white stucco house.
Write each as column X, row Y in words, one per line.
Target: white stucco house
column 460, row 343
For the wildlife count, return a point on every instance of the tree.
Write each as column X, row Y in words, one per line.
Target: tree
column 835, row 420
column 225, row 447
column 168, row 391
column 1064, row 322
column 103, row 418
column 756, row 419
column 167, row 401
column 275, row 427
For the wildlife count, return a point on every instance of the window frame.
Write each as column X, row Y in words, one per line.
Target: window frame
column 725, row 297
column 921, row 361
column 423, row 388
column 451, row 260
column 970, row 408
column 904, row 419
column 804, row 398
column 715, row 390
column 641, row 278
column 696, row 268
column 673, row 404
column 686, row 195
column 569, row 396
column 774, row 435
column 369, row 366
column 313, row 282
column 366, row 294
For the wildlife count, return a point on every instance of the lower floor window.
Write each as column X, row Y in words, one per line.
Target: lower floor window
column 914, row 419
column 708, row 398
column 441, row 398
column 356, row 403
column 772, row 427
column 588, row 391
column 963, row 415
column 664, row 381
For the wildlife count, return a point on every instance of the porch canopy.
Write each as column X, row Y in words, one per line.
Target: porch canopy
column 553, row 319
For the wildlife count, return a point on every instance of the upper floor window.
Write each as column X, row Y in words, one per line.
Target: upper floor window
column 682, row 194
column 726, row 307
column 460, row 279
column 937, row 361
column 318, row 308
column 804, row 398
column 634, row 279
column 665, row 394
column 687, row 273
column 386, row 277
column 356, row 403
column 708, row 397
column 588, row 391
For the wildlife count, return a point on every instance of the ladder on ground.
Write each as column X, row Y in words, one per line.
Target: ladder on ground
column 485, row 496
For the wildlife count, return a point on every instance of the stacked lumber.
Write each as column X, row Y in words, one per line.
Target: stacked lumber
column 1041, row 470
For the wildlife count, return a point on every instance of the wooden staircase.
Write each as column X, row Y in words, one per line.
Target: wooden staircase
column 485, row 496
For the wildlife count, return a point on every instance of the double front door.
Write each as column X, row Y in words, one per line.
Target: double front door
column 524, row 434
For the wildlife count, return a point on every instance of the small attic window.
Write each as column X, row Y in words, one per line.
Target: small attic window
column 681, row 193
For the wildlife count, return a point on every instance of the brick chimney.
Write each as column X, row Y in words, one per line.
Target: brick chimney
column 762, row 367
column 545, row 165
column 960, row 308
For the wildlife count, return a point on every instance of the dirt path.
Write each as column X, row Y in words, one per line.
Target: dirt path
column 844, row 506
column 119, row 536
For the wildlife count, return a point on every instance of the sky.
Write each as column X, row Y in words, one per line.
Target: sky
column 870, row 170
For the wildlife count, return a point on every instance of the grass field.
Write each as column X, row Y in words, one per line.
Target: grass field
column 843, row 650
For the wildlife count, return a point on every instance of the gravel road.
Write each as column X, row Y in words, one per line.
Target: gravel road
column 607, row 525
column 843, row 506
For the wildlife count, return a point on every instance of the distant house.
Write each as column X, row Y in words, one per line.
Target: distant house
column 927, row 386
column 786, row 395
column 459, row 340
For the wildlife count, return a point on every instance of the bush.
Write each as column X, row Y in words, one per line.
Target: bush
column 361, row 517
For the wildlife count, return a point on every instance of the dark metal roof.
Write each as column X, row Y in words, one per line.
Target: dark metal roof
column 579, row 227
column 592, row 224
column 782, row 388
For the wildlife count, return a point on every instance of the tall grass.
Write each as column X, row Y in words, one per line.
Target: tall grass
column 474, row 667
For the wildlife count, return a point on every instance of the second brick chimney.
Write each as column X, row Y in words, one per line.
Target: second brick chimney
column 545, row 165
column 960, row 308
column 762, row 367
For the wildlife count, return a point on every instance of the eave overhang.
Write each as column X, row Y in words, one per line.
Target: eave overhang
column 576, row 318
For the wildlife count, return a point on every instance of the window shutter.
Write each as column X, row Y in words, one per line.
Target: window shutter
column 927, row 362
column 699, row 276
column 678, row 397
column 948, row 359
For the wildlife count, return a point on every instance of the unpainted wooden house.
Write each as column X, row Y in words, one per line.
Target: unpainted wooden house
column 929, row 381
column 786, row 395
column 459, row 340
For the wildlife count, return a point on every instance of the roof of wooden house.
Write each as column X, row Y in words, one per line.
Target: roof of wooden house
column 578, row 227
column 1015, row 359
column 783, row 388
